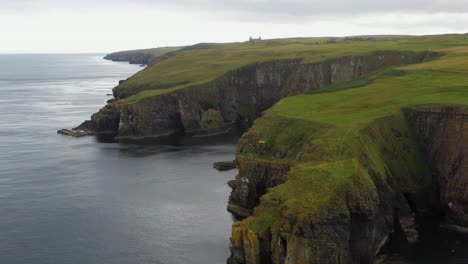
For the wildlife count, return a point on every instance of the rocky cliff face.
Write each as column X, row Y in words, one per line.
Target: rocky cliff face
column 253, row 181
column 240, row 96
column 375, row 208
column 416, row 164
column 142, row 58
column 443, row 133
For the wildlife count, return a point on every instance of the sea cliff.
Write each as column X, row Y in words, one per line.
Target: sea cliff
column 351, row 149
column 349, row 211
column 237, row 98
column 141, row 56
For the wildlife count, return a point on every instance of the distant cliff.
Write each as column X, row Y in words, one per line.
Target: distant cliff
column 141, row 56
column 237, row 98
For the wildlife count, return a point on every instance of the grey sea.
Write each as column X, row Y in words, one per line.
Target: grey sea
column 73, row 200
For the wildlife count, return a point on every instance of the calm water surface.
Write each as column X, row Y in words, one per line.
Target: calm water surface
column 73, row 200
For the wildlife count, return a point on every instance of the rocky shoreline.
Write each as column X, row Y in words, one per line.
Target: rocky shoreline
column 225, row 165
column 236, row 99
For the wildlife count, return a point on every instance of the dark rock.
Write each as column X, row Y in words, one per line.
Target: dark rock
column 240, row 96
column 87, row 128
column 74, row 133
column 455, row 228
column 252, row 182
column 401, row 210
column 225, row 165
column 443, row 131
column 87, row 125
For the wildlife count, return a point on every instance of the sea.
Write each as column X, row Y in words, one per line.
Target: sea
column 72, row 200
column 67, row 200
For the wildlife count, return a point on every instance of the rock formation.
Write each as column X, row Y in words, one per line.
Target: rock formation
column 225, row 165
column 237, row 98
column 443, row 132
column 411, row 170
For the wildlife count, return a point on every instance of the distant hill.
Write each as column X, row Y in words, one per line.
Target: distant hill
column 140, row 56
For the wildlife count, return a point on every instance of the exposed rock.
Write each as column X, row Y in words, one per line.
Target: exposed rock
column 455, row 228
column 225, row 165
column 444, row 136
column 241, row 95
column 212, row 120
column 74, row 133
column 87, row 128
column 389, row 213
column 253, row 180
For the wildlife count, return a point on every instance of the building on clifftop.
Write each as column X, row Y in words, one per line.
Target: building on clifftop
column 254, row 40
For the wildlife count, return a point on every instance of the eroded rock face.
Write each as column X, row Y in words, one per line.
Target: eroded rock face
column 225, row 165
column 240, row 96
column 444, row 137
column 424, row 152
column 358, row 222
column 253, row 180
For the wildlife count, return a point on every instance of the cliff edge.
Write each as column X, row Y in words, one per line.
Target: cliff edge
column 351, row 149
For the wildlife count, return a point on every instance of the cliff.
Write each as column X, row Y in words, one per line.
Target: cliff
column 408, row 167
column 343, row 211
column 347, row 175
column 141, row 56
column 443, row 133
column 353, row 149
column 236, row 98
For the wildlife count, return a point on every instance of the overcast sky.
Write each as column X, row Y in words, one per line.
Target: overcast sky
column 57, row 26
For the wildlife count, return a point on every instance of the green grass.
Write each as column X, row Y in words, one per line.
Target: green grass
column 339, row 126
column 194, row 66
column 154, row 52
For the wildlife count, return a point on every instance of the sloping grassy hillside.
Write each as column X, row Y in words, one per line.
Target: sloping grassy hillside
column 202, row 63
column 352, row 116
column 140, row 56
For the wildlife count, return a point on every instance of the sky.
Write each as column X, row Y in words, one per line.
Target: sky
column 77, row 26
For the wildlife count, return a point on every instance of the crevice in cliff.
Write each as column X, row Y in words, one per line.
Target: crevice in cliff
column 441, row 132
column 443, row 135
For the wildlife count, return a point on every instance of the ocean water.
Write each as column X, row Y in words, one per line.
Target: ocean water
column 74, row 200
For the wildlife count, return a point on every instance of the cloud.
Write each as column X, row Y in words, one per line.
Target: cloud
column 105, row 25
column 253, row 9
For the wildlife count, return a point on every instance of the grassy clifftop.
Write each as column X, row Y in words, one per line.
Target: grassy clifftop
column 349, row 144
column 344, row 113
column 140, row 56
column 203, row 63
